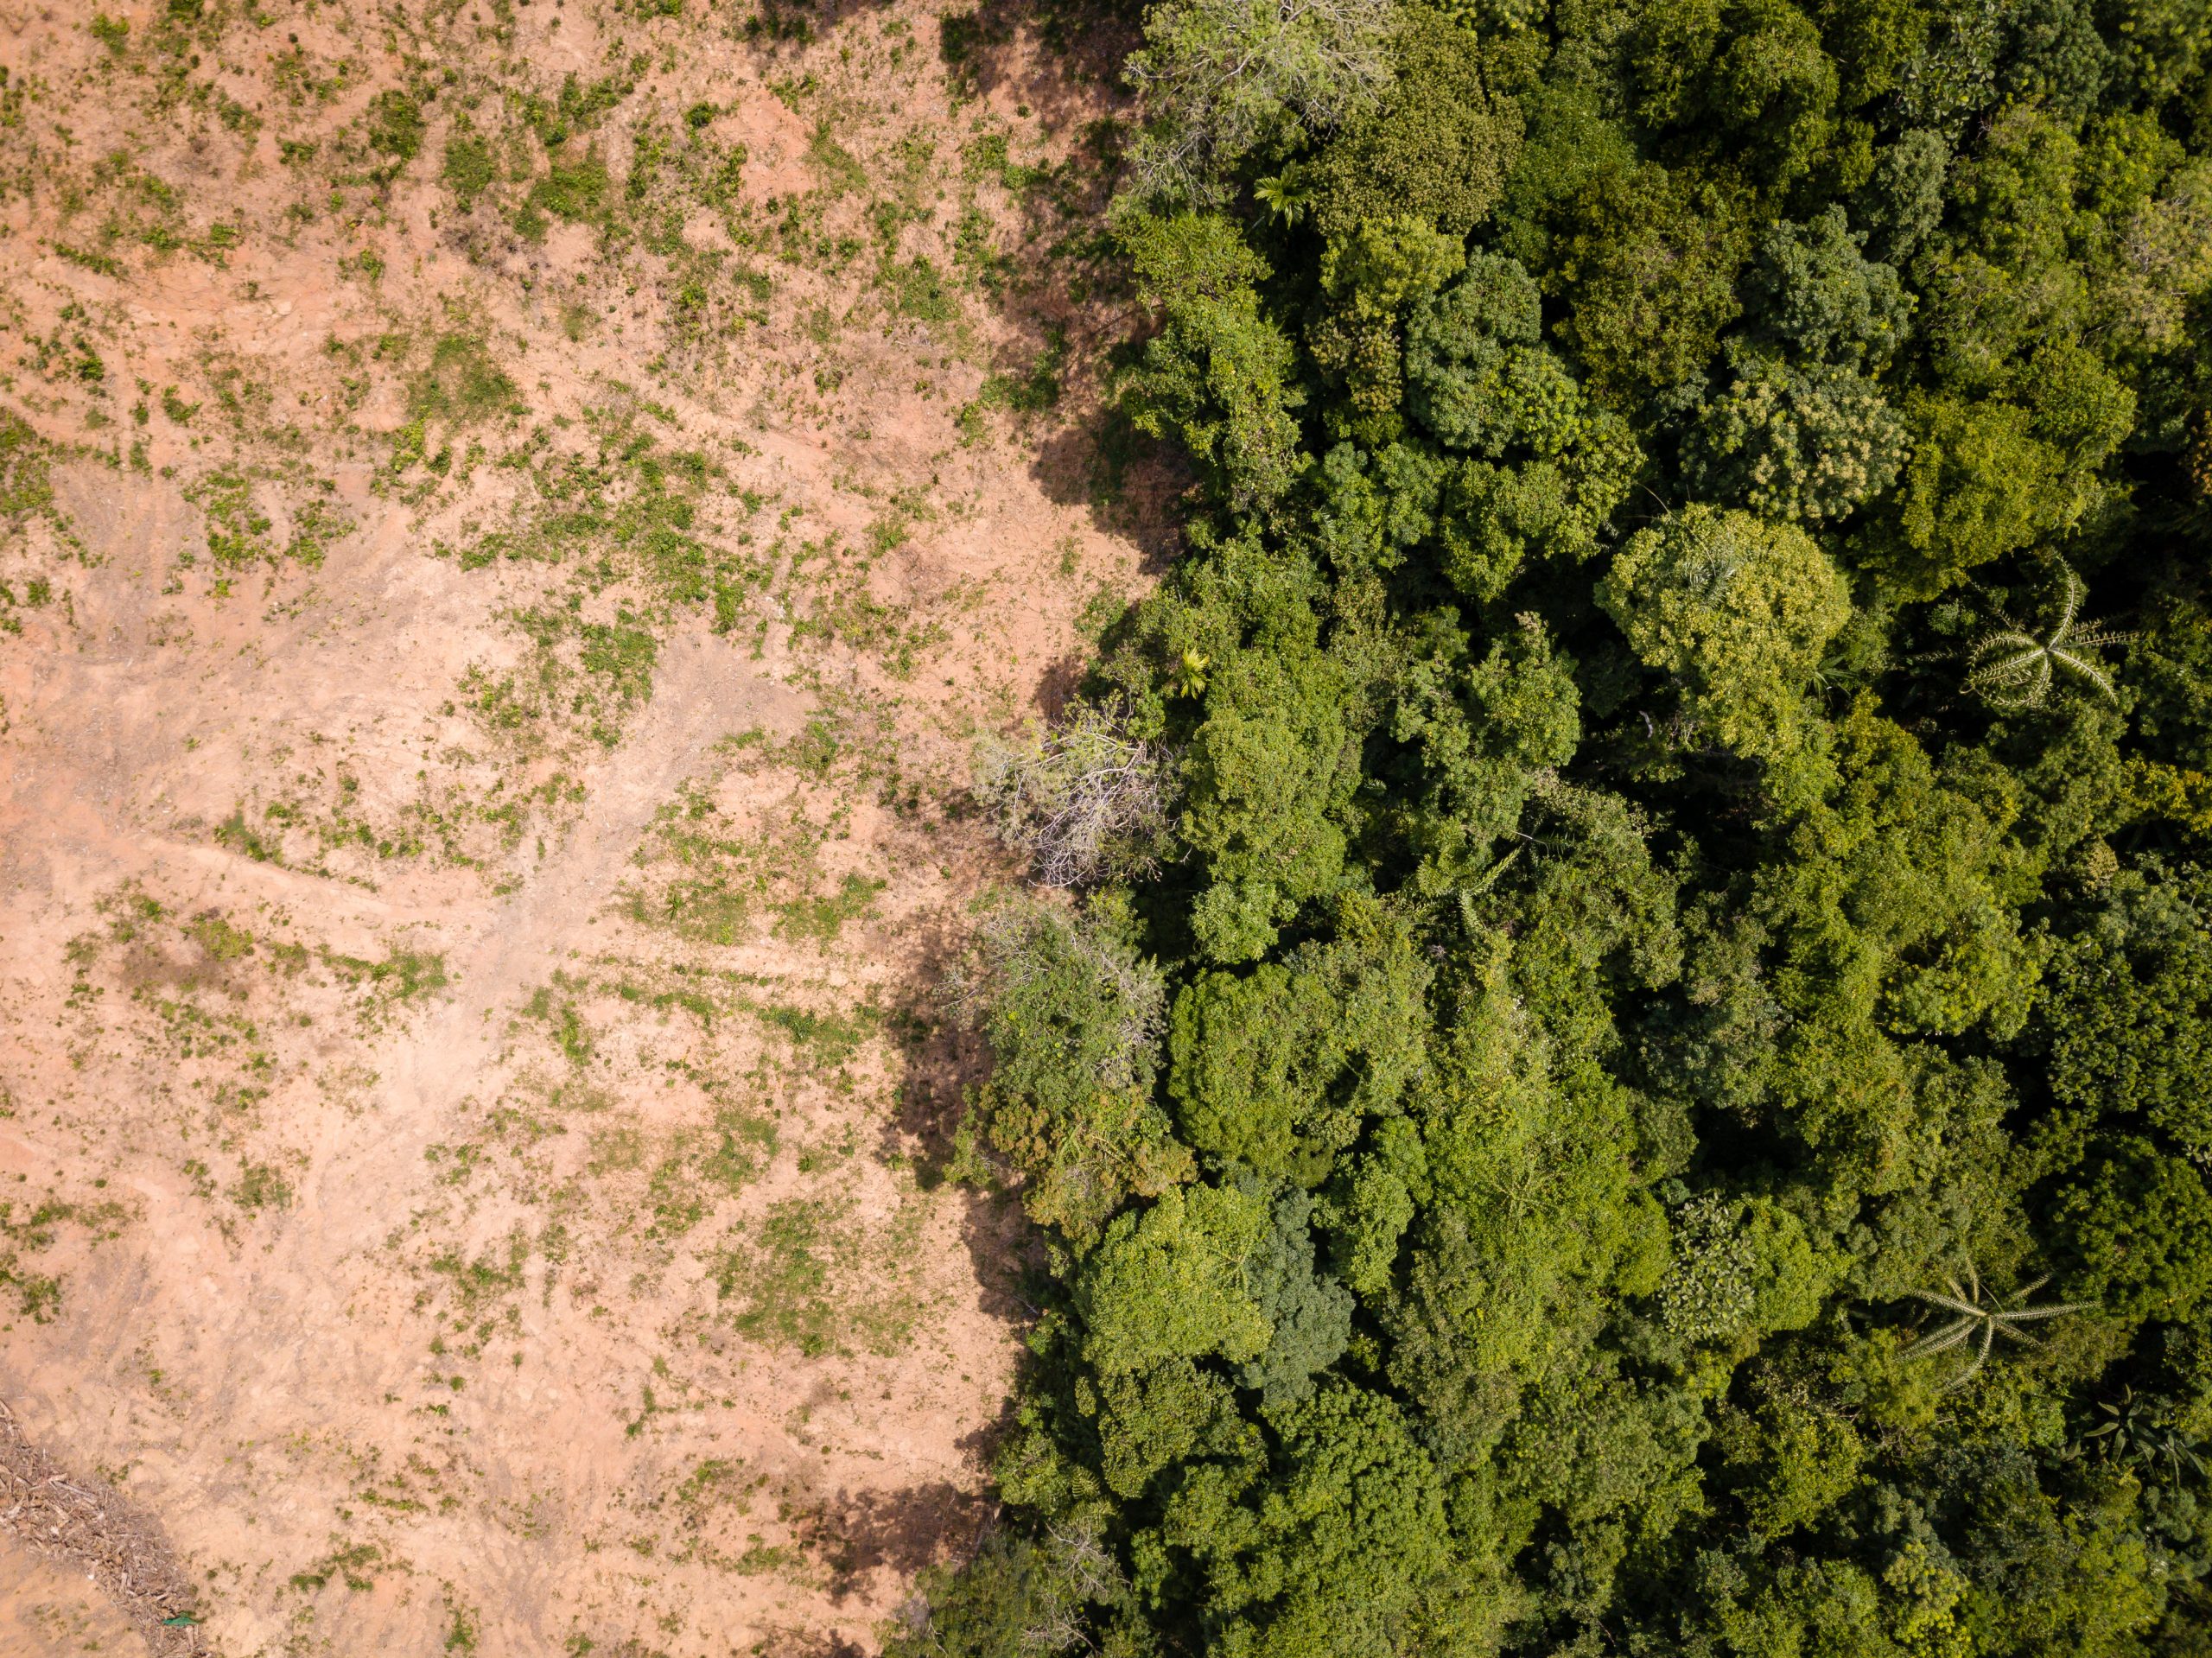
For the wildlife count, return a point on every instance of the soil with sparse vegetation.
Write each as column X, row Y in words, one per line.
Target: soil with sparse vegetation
column 513, row 518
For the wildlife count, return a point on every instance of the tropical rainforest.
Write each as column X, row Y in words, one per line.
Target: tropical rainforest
column 1612, row 1041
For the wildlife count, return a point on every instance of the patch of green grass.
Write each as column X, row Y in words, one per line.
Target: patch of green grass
column 622, row 654
column 237, row 529
column 402, row 977
column 917, row 290
column 235, row 835
column 822, row 919
column 839, row 169
column 830, row 1039
column 782, row 1277
column 222, row 942
column 470, row 166
column 575, row 190
column 100, row 262
column 26, row 485
column 461, row 385
column 352, row 1564
column 809, row 1277
column 395, row 125
column 261, row 1186
column 488, row 1280
column 743, row 1140
column 37, row 1295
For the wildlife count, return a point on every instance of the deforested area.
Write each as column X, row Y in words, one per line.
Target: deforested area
column 1238, row 828
column 513, row 520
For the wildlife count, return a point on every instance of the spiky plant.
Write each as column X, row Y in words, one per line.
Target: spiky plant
column 2013, row 669
column 1980, row 1322
column 2138, row 1430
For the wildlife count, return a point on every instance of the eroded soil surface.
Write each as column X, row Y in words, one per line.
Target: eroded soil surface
column 512, row 518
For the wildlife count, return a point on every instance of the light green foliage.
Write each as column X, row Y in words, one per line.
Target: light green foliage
column 1484, row 730
column 1261, row 778
column 1151, row 1420
column 1225, row 77
column 1648, row 273
column 1370, row 1205
column 1071, row 1015
column 1438, row 148
column 1170, row 1282
column 1980, row 485
column 1739, row 609
column 1277, row 1069
column 1476, row 376
column 1811, row 444
column 1217, row 373
column 1372, row 274
column 2139, row 1228
column 1741, row 1271
column 2131, row 1020
column 1796, row 1461
column 1478, row 381
column 1899, row 915
column 1902, row 200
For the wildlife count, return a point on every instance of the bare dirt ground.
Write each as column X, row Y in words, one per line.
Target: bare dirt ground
column 511, row 517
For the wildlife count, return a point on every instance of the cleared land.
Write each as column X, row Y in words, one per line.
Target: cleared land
column 512, row 518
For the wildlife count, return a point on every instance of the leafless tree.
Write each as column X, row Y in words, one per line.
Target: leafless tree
column 1086, row 800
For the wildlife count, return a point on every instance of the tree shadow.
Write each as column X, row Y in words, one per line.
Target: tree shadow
column 1061, row 58
column 1136, row 487
column 856, row 1535
column 1059, row 683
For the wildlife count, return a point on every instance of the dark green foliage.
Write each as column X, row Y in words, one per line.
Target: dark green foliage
column 1681, row 1123
column 1647, row 265
column 1816, row 293
column 1325, row 1548
column 1016, row 1597
column 1310, row 1314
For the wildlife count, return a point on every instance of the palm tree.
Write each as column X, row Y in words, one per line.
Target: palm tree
column 2014, row 668
column 1981, row 1323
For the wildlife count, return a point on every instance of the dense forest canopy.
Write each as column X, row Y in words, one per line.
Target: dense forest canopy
column 1624, row 1064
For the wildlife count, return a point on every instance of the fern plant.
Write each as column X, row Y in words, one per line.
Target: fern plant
column 1980, row 1322
column 2013, row 669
